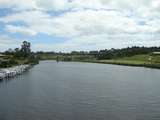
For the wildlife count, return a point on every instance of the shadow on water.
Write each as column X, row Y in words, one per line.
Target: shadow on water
column 1, row 81
column 7, row 80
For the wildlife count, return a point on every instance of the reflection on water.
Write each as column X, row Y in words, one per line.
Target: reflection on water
column 81, row 91
column 6, row 80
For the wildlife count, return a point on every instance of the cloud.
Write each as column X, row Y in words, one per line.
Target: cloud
column 7, row 42
column 98, row 42
column 23, row 30
column 34, row 22
column 139, row 6
column 55, row 5
column 79, row 23
column 18, row 4
column 87, row 24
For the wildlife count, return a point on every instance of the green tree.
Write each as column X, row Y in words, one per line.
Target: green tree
column 25, row 49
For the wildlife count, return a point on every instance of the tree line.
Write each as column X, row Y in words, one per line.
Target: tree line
column 22, row 55
column 108, row 53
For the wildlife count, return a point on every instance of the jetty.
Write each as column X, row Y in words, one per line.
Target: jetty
column 13, row 71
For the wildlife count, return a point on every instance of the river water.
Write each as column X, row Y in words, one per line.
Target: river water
column 81, row 91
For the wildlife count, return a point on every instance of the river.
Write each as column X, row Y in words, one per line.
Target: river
column 81, row 91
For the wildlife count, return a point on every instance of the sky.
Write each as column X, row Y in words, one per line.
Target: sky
column 68, row 25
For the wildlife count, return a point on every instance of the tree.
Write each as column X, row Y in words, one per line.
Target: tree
column 17, row 53
column 9, row 52
column 25, row 49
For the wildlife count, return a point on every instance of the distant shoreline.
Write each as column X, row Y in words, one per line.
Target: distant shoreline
column 155, row 66
column 141, row 60
column 147, row 65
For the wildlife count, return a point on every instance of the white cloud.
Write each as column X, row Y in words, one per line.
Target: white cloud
column 46, row 5
column 6, row 42
column 18, row 4
column 23, row 30
column 139, row 6
column 87, row 23
column 52, row 4
column 98, row 42
column 74, row 24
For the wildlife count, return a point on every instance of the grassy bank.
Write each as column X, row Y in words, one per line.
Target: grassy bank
column 144, row 60
column 151, row 61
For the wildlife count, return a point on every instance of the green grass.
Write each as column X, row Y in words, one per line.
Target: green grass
column 137, row 60
column 145, row 60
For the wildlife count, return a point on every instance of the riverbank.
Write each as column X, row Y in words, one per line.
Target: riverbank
column 18, row 56
column 124, row 63
column 145, row 60
column 11, row 61
column 13, row 71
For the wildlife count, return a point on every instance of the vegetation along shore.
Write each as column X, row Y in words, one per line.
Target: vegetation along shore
column 131, row 56
column 18, row 56
column 17, row 61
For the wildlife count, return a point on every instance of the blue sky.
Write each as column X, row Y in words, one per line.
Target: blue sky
column 67, row 25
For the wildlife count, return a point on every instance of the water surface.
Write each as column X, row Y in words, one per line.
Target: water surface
column 81, row 91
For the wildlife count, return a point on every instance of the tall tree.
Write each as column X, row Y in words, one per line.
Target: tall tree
column 25, row 49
